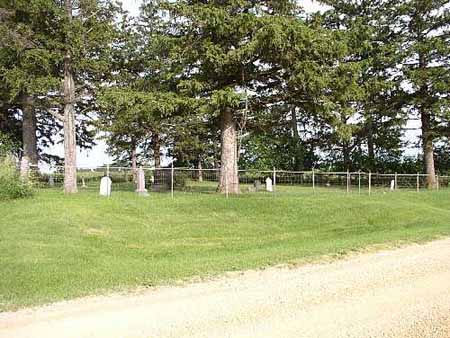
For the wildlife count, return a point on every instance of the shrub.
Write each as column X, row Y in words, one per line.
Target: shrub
column 11, row 184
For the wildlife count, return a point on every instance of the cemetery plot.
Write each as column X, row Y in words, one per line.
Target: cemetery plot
column 145, row 181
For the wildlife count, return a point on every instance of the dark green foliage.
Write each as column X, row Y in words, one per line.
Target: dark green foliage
column 370, row 120
column 275, row 143
column 331, row 90
column 7, row 145
column 34, row 38
column 443, row 158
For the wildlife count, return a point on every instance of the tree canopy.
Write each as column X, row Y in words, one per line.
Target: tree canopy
column 229, row 84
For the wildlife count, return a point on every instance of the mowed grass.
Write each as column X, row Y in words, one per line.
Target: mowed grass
column 55, row 247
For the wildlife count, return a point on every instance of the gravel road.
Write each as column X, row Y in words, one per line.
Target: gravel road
column 403, row 293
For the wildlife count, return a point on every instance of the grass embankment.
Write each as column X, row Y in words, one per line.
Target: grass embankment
column 56, row 247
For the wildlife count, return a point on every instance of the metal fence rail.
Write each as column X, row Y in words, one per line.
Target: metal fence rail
column 187, row 180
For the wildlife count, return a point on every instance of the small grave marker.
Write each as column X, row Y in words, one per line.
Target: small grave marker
column 392, row 185
column 51, row 181
column 257, row 185
column 269, row 184
column 105, row 186
column 141, row 183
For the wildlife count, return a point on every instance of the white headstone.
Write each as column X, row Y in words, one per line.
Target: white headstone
column 392, row 185
column 141, row 183
column 269, row 185
column 105, row 186
column 51, row 181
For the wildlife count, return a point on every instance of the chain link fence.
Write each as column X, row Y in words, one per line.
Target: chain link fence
column 175, row 180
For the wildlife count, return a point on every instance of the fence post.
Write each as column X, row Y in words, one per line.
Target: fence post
column 359, row 181
column 274, row 179
column 313, row 180
column 109, row 185
column 437, row 182
column 171, row 180
column 418, row 183
column 370, row 182
column 396, row 182
column 348, row 181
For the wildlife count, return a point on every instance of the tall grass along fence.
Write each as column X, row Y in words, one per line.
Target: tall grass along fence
column 174, row 180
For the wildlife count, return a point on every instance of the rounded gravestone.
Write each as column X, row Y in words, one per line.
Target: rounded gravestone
column 105, row 186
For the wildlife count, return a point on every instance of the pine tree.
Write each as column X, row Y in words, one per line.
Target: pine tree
column 225, row 48
column 424, row 26
column 26, row 68
column 140, row 100
column 374, row 49
column 63, row 41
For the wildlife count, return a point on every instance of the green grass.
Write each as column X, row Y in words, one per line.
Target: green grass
column 55, row 247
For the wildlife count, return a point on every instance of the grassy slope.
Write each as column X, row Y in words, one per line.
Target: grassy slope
column 57, row 247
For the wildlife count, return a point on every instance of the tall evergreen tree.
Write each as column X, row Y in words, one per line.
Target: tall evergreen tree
column 424, row 26
column 62, row 41
column 87, row 32
column 228, row 47
column 140, row 98
column 26, row 67
column 375, row 128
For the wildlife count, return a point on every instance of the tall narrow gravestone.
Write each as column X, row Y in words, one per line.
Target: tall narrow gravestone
column 269, row 184
column 105, row 186
column 51, row 181
column 141, row 183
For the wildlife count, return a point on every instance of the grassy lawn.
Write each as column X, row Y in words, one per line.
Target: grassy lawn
column 55, row 247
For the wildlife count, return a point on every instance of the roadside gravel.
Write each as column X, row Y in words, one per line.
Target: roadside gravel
column 403, row 293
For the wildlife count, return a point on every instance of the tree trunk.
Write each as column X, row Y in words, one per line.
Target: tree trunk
column 346, row 154
column 157, row 150
column 29, row 139
column 370, row 144
column 200, row 170
column 428, row 150
column 298, row 155
column 70, row 145
column 229, row 180
column 134, row 163
column 427, row 132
